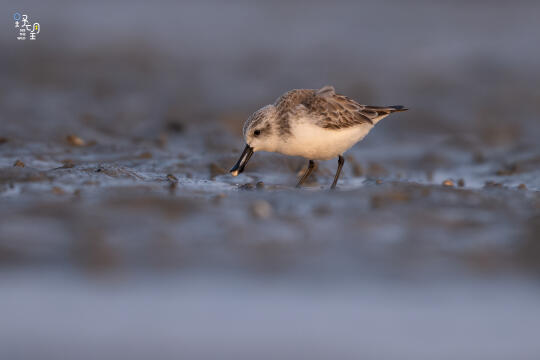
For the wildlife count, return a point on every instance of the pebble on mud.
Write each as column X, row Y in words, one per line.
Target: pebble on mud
column 261, row 209
column 461, row 183
column 173, row 183
column 259, row 185
column 74, row 140
column 490, row 184
column 522, row 187
column 448, row 183
column 172, row 178
column 246, row 186
column 19, row 163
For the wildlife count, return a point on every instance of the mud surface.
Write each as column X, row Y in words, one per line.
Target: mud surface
column 123, row 235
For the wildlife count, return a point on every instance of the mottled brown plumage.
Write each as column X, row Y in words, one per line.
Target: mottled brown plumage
column 332, row 111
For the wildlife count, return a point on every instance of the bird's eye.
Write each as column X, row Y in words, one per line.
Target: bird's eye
column 257, row 132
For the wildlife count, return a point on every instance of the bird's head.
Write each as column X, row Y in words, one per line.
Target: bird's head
column 260, row 135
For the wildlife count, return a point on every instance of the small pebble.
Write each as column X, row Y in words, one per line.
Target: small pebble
column 3, row 140
column 378, row 181
column 259, row 185
column 261, row 209
column 74, row 140
column 172, row 178
column 522, row 187
column 461, row 183
column 489, row 184
column 246, row 186
column 18, row 163
column 448, row 183
column 173, row 183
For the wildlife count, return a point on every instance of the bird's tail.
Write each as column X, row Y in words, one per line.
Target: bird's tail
column 387, row 109
column 397, row 108
column 377, row 113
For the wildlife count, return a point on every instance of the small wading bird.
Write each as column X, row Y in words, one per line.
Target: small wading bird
column 314, row 124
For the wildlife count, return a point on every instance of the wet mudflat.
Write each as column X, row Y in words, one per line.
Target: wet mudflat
column 123, row 235
column 150, row 247
column 152, row 205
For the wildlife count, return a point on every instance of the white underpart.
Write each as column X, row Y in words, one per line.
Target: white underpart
column 316, row 143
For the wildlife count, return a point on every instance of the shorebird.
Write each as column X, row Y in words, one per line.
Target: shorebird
column 314, row 124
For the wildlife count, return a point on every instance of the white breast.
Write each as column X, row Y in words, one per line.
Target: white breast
column 316, row 143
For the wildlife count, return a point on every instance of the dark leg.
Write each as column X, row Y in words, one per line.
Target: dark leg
column 340, row 162
column 308, row 172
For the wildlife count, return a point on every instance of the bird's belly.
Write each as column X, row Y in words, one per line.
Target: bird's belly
column 316, row 143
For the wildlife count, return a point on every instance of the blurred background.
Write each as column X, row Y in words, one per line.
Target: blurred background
column 123, row 236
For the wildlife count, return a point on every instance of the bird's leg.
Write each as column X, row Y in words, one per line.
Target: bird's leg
column 341, row 161
column 308, row 172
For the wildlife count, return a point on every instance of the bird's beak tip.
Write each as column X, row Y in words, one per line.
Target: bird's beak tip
column 241, row 164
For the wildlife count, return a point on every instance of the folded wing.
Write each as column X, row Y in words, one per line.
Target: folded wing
column 328, row 109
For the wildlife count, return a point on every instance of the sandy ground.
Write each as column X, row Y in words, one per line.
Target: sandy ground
column 122, row 235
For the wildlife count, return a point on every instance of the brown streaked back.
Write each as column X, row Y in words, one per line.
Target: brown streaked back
column 328, row 109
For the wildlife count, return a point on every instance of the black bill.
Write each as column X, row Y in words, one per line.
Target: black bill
column 242, row 162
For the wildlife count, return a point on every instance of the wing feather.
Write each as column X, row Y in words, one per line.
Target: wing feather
column 328, row 109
